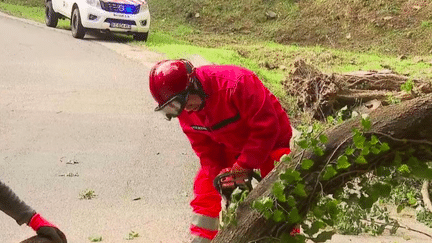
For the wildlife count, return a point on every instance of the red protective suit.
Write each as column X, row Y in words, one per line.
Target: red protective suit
column 241, row 122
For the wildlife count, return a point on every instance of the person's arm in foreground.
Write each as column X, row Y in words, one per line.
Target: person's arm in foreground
column 22, row 213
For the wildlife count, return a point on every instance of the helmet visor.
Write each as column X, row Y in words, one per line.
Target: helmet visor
column 173, row 107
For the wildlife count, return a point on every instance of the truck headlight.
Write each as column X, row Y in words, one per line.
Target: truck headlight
column 94, row 3
column 143, row 7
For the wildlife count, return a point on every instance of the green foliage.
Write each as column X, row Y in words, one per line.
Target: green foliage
column 237, row 197
column 391, row 99
column 95, row 238
column 132, row 235
column 355, row 209
column 87, row 194
column 426, row 24
column 407, row 86
column 424, row 216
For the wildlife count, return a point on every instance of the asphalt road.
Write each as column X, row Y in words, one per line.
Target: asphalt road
column 76, row 116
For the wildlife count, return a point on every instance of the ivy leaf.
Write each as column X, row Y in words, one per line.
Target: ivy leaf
column 400, row 208
column 303, row 144
column 307, row 164
column 278, row 216
column 267, row 202
column 374, row 140
column 290, row 176
column 285, row 158
column 267, row 214
column 422, row 172
column 316, row 226
column 413, row 161
column 366, row 202
column 332, row 208
column 278, row 191
column 291, row 201
column 404, row 169
column 381, row 190
column 318, row 212
column 324, row 236
column 412, row 201
column 286, row 237
column 329, row 172
column 294, row 216
column 365, row 150
column 375, row 150
column 258, row 205
column 366, row 123
column 361, row 160
column 323, row 138
column 318, row 151
column 359, row 140
column 300, row 190
column 342, row 162
column 385, row 147
column 349, row 151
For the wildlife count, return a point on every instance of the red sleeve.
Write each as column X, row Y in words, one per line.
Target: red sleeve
column 255, row 104
column 210, row 153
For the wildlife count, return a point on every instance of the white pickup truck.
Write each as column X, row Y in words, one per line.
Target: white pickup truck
column 123, row 16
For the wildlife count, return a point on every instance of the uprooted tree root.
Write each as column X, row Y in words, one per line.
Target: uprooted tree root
column 321, row 95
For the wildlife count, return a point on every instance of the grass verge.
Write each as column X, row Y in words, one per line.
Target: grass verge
column 271, row 61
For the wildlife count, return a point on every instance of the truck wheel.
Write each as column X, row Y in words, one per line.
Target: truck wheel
column 78, row 31
column 51, row 17
column 141, row 36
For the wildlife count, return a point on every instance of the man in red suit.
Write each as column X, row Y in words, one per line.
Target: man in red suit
column 232, row 121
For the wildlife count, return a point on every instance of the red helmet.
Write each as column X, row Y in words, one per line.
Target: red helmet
column 169, row 81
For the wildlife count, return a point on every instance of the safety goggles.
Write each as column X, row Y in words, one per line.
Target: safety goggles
column 174, row 107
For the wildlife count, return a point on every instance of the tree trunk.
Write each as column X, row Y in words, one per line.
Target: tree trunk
column 398, row 125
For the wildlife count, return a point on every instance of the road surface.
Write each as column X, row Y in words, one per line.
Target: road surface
column 76, row 116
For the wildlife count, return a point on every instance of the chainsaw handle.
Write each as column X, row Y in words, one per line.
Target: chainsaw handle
column 217, row 182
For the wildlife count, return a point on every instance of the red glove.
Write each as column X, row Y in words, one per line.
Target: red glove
column 295, row 231
column 46, row 229
column 237, row 177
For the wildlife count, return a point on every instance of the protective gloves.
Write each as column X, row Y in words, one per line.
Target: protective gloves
column 46, row 229
column 237, row 176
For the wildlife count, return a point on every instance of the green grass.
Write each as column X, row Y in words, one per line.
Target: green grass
column 183, row 40
column 33, row 13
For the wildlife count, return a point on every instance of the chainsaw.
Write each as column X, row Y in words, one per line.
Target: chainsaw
column 226, row 193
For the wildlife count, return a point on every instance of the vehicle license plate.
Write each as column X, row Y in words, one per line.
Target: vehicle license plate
column 120, row 25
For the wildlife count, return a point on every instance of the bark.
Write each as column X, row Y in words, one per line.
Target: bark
column 399, row 125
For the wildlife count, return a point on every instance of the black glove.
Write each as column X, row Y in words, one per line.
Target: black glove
column 52, row 233
column 46, row 229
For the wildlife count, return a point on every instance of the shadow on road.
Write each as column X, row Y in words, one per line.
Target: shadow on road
column 108, row 37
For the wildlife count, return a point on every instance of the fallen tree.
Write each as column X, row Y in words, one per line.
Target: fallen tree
column 404, row 127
